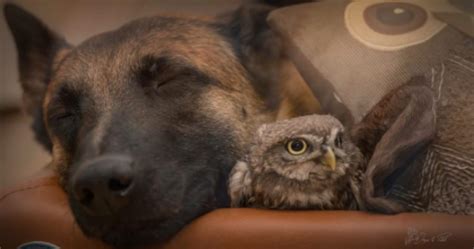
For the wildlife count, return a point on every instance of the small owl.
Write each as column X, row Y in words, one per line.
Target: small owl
column 302, row 163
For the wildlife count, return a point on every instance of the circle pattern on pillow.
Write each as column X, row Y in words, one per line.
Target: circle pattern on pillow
column 391, row 25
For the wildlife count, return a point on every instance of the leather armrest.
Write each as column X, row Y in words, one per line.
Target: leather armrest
column 38, row 211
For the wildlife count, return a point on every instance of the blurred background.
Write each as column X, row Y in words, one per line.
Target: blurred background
column 20, row 155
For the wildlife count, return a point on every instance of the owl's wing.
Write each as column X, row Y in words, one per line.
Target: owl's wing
column 240, row 184
column 395, row 131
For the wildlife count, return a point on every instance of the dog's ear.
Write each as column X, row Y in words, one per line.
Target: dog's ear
column 392, row 135
column 258, row 47
column 262, row 52
column 39, row 49
column 249, row 26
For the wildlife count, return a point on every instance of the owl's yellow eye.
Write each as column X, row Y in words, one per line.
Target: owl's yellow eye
column 296, row 146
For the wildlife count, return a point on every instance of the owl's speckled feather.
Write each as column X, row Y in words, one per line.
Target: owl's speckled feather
column 271, row 177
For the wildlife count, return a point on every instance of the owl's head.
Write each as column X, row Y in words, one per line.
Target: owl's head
column 314, row 147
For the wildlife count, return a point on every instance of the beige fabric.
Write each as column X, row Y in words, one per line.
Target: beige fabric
column 356, row 23
column 359, row 71
column 340, row 68
column 442, row 178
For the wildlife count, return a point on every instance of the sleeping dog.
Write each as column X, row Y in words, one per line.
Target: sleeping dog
column 145, row 122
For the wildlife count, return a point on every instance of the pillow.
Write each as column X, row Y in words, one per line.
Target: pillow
column 353, row 54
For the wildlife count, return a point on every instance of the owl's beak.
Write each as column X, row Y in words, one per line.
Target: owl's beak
column 329, row 158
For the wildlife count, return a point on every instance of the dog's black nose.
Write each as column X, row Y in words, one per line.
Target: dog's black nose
column 103, row 185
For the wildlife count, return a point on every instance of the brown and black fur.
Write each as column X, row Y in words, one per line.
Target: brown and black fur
column 181, row 97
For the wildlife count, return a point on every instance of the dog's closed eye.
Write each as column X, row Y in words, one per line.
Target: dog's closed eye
column 155, row 72
column 63, row 114
column 64, row 104
column 59, row 116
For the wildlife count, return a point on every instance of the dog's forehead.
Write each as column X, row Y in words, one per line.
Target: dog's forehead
column 109, row 56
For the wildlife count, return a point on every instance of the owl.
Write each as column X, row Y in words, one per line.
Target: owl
column 306, row 162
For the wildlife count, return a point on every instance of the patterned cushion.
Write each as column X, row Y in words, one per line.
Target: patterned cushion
column 352, row 53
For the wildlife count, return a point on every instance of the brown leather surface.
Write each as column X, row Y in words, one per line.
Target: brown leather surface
column 38, row 210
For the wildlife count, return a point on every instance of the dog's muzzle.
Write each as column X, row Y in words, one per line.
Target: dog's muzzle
column 104, row 184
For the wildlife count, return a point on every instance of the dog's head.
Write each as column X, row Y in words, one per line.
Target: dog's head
column 143, row 122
